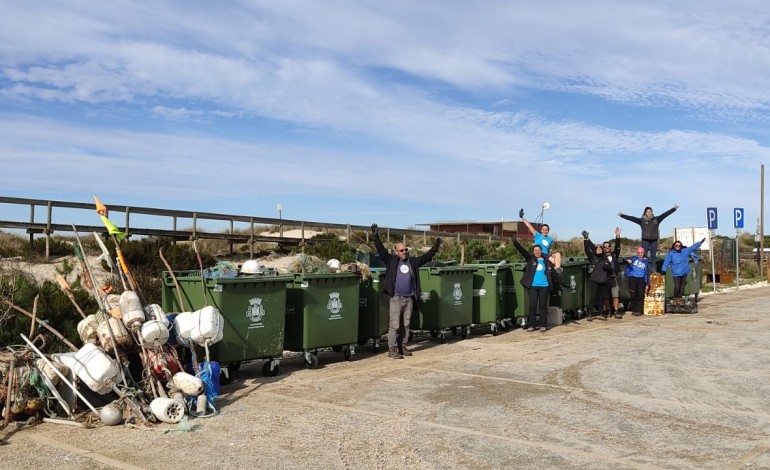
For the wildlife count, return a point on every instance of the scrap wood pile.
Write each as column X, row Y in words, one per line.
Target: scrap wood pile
column 128, row 369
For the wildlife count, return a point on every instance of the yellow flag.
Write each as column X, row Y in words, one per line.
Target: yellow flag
column 113, row 229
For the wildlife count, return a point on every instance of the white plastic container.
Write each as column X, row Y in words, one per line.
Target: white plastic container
column 131, row 310
column 95, row 368
column 167, row 410
column 122, row 337
column 87, row 329
column 183, row 324
column 155, row 312
column 208, row 326
column 154, row 333
column 188, row 384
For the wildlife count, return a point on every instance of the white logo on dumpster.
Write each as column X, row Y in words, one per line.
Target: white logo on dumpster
column 255, row 312
column 572, row 283
column 334, row 305
column 457, row 294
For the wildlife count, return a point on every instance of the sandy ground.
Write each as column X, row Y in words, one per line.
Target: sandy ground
column 675, row 391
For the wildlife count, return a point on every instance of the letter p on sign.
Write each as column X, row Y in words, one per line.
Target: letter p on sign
column 738, row 217
column 711, row 216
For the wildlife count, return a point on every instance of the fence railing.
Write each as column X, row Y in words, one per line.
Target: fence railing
column 52, row 224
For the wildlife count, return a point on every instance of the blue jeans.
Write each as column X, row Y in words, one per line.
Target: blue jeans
column 651, row 250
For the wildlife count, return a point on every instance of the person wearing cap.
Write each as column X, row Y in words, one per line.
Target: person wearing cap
column 402, row 284
column 679, row 261
column 542, row 239
column 650, row 225
column 538, row 278
column 638, row 279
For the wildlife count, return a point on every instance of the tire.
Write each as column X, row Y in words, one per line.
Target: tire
column 434, row 333
column 337, row 348
column 465, row 332
column 313, row 363
column 442, row 337
column 348, row 354
column 233, row 366
column 504, row 325
column 224, row 379
column 270, row 372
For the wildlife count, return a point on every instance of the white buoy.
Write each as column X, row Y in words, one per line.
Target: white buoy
column 167, row 410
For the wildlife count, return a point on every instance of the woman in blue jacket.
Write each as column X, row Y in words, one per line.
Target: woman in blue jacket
column 679, row 260
column 638, row 278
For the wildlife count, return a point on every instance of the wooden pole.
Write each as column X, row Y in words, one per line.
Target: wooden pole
column 41, row 323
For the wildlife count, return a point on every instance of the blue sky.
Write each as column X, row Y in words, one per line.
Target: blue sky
column 400, row 113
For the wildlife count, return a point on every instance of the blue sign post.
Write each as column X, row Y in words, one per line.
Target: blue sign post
column 711, row 217
column 738, row 217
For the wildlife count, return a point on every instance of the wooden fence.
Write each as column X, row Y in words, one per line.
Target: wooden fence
column 52, row 225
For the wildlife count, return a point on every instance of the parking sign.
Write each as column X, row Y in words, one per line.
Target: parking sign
column 711, row 217
column 738, row 217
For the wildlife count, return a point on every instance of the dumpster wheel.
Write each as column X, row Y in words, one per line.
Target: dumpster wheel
column 349, row 352
column 270, row 370
column 442, row 337
column 505, row 325
column 311, row 360
column 434, row 333
column 337, row 348
column 465, row 332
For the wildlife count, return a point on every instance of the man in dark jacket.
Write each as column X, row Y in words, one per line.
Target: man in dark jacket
column 650, row 225
column 613, row 256
column 402, row 284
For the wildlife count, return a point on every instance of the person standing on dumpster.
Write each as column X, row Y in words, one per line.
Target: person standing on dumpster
column 538, row 278
column 650, row 225
column 402, row 284
column 544, row 240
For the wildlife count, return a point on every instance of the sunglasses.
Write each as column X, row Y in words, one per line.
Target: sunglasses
column 405, row 250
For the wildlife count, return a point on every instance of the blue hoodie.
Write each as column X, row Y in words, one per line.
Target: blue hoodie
column 638, row 268
column 679, row 260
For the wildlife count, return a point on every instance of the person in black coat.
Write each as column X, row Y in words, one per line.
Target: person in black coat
column 538, row 278
column 650, row 225
column 600, row 271
column 402, row 284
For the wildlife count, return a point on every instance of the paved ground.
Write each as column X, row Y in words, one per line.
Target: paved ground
column 678, row 391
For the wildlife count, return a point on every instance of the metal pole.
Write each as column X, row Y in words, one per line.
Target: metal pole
column 737, row 258
column 713, row 266
column 762, row 221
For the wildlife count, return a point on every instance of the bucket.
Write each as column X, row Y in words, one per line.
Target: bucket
column 167, row 410
column 131, row 310
column 95, row 368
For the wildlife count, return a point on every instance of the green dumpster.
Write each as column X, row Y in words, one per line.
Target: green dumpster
column 571, row 295
column 373, row 310
column 322, row 311
column 253, row 309
column 489, row 294
column 521, row 303
column 446, row 301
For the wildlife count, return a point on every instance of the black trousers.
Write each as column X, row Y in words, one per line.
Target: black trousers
column 538, row 306
column 598, row 293
column 679, row 282
column 636, row 288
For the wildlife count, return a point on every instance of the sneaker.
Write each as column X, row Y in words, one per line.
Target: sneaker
column 603, row 317
column 637, row 314
column 406, row 352
column 531, row 329
column 618, row 316
column 395, row 355
column 543, row 329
